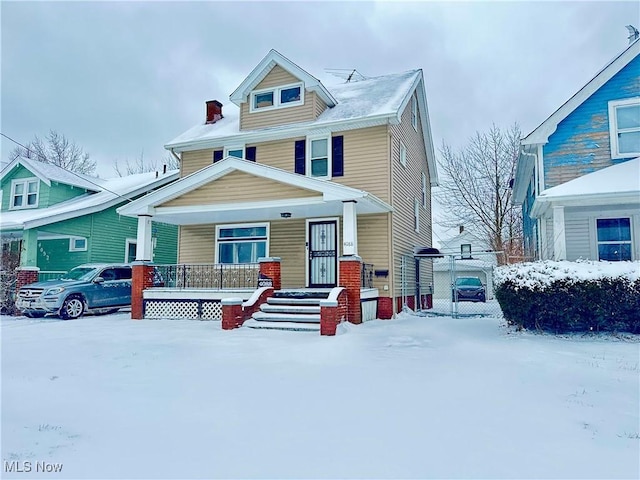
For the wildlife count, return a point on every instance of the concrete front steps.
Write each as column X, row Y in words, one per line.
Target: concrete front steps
column 297, row 310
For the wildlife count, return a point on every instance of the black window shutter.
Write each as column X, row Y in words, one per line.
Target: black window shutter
column 300, row 156
column 217, row 155
column 337, row 156
column 251, row 154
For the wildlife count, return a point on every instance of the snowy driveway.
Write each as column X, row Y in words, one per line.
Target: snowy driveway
column 108, row 397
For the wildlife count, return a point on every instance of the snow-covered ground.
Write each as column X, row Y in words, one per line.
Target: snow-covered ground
column 416, row 397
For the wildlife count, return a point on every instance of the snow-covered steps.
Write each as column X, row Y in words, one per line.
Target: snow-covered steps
column 290, row 307
column 291, row 326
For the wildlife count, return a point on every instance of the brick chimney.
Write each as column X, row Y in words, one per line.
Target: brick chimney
column 214, row 111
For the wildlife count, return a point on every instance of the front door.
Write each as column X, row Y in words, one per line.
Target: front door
column 323, row 254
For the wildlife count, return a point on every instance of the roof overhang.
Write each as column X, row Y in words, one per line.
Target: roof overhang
column 542, row 204
column 524, row 172
column 542, row 133
column 272, row 59
column 328, row 200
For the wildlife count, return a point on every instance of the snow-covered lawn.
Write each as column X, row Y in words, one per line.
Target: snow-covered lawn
column 108, row 397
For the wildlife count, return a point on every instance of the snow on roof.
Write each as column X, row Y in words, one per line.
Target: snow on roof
column 620, row 178
column 112, row 191
column 365, row 99
column 48, row 172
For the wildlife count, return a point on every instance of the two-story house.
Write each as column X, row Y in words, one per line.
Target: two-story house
column 578, row 175
column 306, row 173
column 54, row 220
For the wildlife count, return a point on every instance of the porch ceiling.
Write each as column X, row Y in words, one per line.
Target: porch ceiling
column 313, row 207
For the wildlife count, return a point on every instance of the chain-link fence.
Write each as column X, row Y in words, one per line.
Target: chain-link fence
column 459, row 286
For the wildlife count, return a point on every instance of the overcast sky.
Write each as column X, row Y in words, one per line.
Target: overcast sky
column 122, row 78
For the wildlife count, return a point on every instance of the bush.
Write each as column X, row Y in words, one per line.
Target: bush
column 564, row 297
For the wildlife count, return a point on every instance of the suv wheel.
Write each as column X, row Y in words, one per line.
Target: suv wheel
column 72, row 308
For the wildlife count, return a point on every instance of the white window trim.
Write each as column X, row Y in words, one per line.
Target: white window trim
column 329, row 156
column 414, row 113
column 416, row 215
column 72, row 246
column 226, row 151
column 276, row 97
column 25, row 182
column 402, row 155
column 242, row 225
column 613, row 126
column 128, row 242
column 598, row 243
column 424, row 190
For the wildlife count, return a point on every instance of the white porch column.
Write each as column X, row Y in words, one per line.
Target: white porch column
column 349, row 228
column 144, row 248
column 559, row 240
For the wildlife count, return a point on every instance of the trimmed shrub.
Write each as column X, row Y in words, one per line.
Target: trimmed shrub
column 562, row 297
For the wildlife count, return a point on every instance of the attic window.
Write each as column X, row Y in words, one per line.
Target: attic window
column 414, row 113
column 624, row 128
column 279, row 97
column 24, row 193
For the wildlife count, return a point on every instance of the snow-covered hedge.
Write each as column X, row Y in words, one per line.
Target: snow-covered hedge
column 571, row 296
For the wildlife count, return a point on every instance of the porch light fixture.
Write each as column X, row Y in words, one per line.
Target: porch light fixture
column 285, row 214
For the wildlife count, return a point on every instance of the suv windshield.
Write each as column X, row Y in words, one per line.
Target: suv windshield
column 79, row 273
column 469, row 282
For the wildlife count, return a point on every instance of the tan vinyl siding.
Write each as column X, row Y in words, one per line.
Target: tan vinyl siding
column 319, row 105
column 239, row 187
column 288, row 242
column 195, row 160
column 279, row 153
column 197, row 243
column 280, row 116
column 373, row 247
column 407, row 186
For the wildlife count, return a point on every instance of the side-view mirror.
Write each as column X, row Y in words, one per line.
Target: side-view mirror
column 98, row 280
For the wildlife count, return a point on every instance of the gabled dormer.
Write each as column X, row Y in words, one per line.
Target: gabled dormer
column 279, row 92
column 28, row 184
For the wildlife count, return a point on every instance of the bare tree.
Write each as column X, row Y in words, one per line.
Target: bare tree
column 475, row 188
column 140, row 165
column 57, row 150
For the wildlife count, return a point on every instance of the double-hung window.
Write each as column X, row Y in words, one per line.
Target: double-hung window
column 24, row 193
column 624, row 127
column 424, row 190
column 319, row 157
column 614, row 239
column 242, row 243
column 416, row 215
column 277, row 97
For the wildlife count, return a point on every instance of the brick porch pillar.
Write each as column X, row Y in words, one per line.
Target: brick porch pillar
column 351, row 279
column 270, row 268
column 25, row 276
column 142, row 278
column 232, row 315
column 385, row 308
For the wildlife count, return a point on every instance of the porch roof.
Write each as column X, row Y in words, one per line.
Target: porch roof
column 326, row 199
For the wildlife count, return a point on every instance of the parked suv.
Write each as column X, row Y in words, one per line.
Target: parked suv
column 91, row 288
column 469, row 289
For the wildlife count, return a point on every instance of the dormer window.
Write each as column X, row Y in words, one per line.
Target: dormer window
column 278, row 97
column 24, row 193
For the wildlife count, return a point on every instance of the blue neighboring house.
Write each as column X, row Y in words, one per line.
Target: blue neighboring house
column 578, row 174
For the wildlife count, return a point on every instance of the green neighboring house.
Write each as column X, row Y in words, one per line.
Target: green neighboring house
column 55, row 219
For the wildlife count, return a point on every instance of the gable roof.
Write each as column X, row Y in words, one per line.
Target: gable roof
column 111, row 192
column 327, row 192
column 263, row 68
column 48, row 172
column 541, row 134
column 374, row 101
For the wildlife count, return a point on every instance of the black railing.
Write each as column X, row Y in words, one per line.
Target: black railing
column 216, row 276
column 367, row 275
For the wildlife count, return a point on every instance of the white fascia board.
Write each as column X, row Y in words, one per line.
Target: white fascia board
column 32, row 168
column 542, row 203
column 253, row 205
column 524, row 170
column 284, row 133
column 542, row 133
column 273, row 58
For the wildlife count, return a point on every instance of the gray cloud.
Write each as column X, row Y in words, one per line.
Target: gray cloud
column 120, row 78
